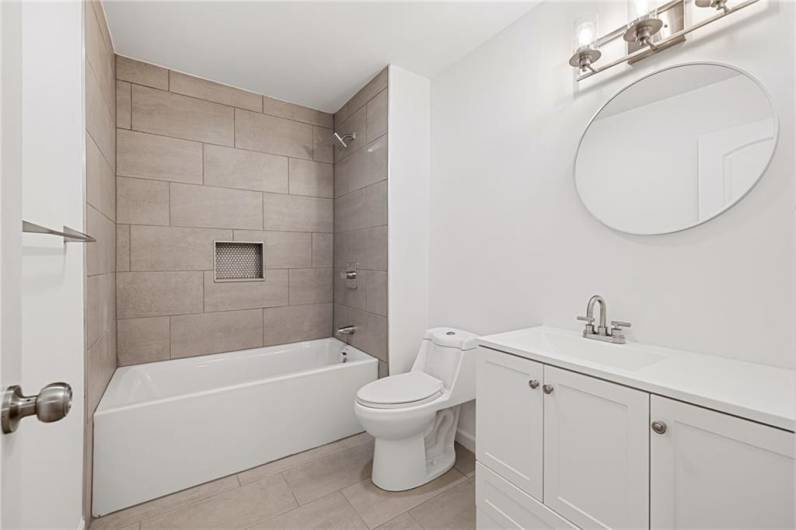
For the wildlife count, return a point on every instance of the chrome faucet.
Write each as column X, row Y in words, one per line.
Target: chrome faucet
column 602, row 332
column 346, row 330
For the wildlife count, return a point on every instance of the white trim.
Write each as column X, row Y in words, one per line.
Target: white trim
column 466, row 439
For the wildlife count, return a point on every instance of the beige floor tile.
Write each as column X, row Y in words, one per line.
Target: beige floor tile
column 465, row 460
column 99, row 524
column 237, row 508
column 332, row 511
column 121, row 519
column 377, row 506
column 452, row 509
column 402, row 522
column 292, row 461
column 330, row 473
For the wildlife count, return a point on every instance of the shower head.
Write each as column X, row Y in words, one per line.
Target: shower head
column 342, row 141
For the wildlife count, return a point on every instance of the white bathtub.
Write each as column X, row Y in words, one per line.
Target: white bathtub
column 163, row 427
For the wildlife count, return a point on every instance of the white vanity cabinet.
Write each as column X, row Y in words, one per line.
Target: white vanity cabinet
column 562, row 448
column 712, row 470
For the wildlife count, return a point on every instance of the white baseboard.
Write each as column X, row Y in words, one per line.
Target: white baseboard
column 466, row 439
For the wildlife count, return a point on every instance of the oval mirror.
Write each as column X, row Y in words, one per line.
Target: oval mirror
column 675, row 149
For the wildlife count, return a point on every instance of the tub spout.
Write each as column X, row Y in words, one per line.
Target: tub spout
column 346, row 330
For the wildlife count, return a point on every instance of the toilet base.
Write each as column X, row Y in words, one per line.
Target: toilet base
column 404, row 464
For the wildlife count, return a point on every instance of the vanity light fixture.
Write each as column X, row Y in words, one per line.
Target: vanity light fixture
column 586, row 53
column 648, row 33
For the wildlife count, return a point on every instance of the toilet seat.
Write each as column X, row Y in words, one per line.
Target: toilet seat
column 397, row 391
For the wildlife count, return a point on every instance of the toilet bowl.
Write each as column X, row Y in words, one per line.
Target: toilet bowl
column 413, row 416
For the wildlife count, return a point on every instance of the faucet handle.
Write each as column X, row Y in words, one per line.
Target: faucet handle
column 588, row 320
column 616, row 324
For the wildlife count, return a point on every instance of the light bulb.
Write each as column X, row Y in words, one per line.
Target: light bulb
column 642, row 7
column 585, row 33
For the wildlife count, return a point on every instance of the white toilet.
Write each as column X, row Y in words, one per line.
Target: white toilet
column 413, row 416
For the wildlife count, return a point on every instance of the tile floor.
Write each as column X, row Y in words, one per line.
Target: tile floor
column 326, row 487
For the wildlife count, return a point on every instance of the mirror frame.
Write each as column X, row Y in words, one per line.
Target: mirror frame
column 721, row 212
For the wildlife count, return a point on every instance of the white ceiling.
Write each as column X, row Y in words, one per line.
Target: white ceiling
column 316, row 54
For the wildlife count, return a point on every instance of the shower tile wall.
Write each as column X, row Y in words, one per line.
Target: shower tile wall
column 100, row 212
column 360, row 220
column 199, row 162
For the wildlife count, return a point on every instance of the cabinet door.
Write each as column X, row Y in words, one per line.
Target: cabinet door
column 500, row 504
column 711, row 470
column 596, row 462
column 509, row 418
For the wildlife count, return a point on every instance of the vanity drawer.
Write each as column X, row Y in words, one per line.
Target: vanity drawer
column 500, row 504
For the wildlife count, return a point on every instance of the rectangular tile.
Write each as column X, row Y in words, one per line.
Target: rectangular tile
column 376, row 116
column 123, row 104
column 158, row 157
column 122, row 248
column 147, row 294
column 98, row 51
column 283, row 250
column 322, row 250
column 371, row 335
column 143, row 340
column 100, row 306
column 101, row 362
column 284, row 325
column 465, row 460
column 237, row 168
column 369, row 295
column 315, row 179
column 310, row 286
column 453, row 508
column 184, row 117
column 141, row 73
column 142, row 201
column 296, row 213
column 332, row 511
column 225, row 296
column 366, row 166
column 269, row 134
column 203, row 89
column 365, row 94
column 322, row 145
column 368, row 247
column 377, row 506
column 152, row 509
column 100, row 180
column 330, row 473
column 362, row 208
column 203, row 206
column 235, row 508
column 169, row 248
column 355, row 125
column 283, row 109
column 402, row 522
column 100, row 120
column 215, row 332
column 100, row 255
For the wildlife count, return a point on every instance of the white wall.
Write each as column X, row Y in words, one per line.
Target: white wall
column 512, row 246
column 409, row 122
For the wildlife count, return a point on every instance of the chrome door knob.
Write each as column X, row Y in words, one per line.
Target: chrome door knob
column 548, row 389
column 658, row 427
column 533, row 383
column 51, row 404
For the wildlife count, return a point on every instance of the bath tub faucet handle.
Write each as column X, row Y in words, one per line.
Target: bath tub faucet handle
column 346, row 330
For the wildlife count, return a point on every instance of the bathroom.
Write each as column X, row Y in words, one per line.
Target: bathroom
column 398, row 265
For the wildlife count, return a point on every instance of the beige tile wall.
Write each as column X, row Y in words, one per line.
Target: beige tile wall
column 360, row 218
column 100, row 212
column 199, row 162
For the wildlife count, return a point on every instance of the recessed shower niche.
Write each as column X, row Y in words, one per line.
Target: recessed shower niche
column 239, row 261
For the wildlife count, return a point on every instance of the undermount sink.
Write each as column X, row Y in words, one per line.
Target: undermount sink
column 623, row 356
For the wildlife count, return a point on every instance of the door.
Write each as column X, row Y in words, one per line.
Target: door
column 41, row 278
column 596, row 462
column 509, row 418
column 711, row 470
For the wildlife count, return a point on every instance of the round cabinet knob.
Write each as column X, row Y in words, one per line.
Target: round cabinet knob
column 659, row 427
column 533, row 383
column 548, row 389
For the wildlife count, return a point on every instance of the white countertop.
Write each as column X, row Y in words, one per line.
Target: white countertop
column 761, row 393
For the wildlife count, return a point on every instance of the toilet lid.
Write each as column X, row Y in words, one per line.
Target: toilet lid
column 412, row 388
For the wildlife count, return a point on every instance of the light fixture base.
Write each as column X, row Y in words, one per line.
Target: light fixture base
column 673, row 20
column 584, row 57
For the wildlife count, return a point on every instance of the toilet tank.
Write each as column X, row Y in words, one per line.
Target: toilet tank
column 449, row 355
